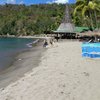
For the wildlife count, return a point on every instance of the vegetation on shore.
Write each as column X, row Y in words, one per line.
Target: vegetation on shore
column 36, row 19
column 28, row 20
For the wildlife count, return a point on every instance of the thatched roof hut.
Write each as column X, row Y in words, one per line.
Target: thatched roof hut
column 65, row 28
column 89, row 33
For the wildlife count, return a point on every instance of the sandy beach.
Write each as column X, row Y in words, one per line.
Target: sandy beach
column 62, row 74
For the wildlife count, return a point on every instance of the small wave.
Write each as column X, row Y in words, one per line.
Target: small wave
column 30, row 44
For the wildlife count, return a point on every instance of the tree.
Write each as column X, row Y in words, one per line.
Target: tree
column 29, row 20
column 87, row 7
column 95, row 6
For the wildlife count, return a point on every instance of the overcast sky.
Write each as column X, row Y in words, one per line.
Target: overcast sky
column 28, row 2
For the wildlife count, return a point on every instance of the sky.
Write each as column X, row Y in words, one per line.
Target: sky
column 28, row 2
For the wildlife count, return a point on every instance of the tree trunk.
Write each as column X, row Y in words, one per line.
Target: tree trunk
column 96, row 19
column 88, row 1
column 91, row 19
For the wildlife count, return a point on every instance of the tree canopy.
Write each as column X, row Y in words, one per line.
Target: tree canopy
column 88, row 10
column 29, row 20
column 36, row 19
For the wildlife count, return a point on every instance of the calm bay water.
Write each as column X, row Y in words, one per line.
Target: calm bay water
column 9, row 47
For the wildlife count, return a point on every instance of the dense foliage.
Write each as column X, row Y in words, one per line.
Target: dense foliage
column 35, row 19
column 89, row 12
column 29, row 20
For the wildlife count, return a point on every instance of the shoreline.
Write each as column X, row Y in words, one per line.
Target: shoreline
column 12, row 54
column 8, row 58
column 35, row 36
column 62, row 74
column 17, row 65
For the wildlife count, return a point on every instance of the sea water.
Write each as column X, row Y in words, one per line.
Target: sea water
column 10, row 47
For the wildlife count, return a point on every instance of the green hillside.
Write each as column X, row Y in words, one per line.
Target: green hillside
column 29, row 20
column 34, row 19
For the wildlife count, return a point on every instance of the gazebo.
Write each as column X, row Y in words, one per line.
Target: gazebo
column 66, row 28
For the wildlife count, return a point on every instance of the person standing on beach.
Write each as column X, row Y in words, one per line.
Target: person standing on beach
column 45, row 43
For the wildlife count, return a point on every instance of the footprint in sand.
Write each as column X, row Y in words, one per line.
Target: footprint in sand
column 86, row 74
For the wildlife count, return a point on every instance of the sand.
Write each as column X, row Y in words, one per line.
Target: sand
column 24, row 62
column 61, row 75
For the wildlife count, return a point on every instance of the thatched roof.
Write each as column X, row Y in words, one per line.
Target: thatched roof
column 65, row 28
column 89, row 33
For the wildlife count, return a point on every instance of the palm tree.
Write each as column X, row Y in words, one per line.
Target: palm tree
column 95, row 6
column 87, row 7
